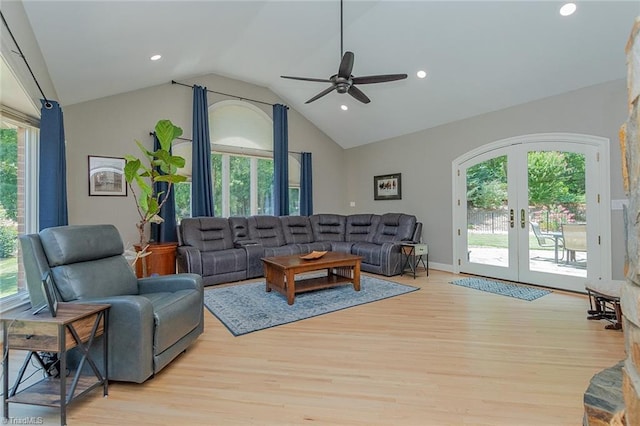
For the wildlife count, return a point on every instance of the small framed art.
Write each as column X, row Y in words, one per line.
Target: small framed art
column 106, row 176
column 387, row 187
column 50, row 293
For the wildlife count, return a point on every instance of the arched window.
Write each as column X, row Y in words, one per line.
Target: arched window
column 241, row 163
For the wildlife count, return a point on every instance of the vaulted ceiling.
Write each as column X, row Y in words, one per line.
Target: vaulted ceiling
column 479, row 56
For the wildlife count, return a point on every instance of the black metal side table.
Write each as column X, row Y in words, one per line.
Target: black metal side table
column 411, row 256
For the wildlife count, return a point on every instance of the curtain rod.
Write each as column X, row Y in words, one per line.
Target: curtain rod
column 180, row 138
column 47, row 104
column 226, row 94
column 252, row 149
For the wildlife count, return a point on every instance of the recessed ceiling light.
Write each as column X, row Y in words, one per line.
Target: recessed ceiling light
column 421, row 74
column 344, row 107
column 568, row 9
column 155, row 57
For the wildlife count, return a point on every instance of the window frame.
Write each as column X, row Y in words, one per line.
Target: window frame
column 29, row 131
column 254, row 154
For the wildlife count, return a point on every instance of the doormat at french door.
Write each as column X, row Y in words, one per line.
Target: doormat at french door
column 504, row 289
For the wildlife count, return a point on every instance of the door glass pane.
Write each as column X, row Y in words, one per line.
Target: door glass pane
column 488, row 213
column 557, row 212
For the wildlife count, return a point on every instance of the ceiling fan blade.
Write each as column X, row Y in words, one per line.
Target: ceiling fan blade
column 358, row 94
column 319, row 80
column 378, row 78
column 321, row 94
column 346, row 65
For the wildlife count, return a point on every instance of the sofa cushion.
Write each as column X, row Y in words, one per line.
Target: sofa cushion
column 223, row 261
column 328, row 227
column 361, row 227
column 315, row 246
column 282, row 250
column 370, row 252
column 296, row 229
column 395, row 227
column 266, row 230
column 207, row 233
column 342, row 246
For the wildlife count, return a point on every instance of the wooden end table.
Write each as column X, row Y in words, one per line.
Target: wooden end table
column 75, row 325
column 280, row 272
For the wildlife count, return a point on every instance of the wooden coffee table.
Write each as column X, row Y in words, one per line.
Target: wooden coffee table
column 280, row 272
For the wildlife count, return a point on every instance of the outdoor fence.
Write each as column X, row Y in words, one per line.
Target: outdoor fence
column 497, row 221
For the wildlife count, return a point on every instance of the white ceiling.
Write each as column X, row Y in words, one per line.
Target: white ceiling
column 480, row 56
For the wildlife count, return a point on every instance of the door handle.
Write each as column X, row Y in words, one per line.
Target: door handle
column 522, row 221
column 512, row 218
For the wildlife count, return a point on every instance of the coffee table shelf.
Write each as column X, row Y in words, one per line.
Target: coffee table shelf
column 318, row 283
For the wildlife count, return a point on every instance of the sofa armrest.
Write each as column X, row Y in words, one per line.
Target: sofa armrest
column 391, row 259
column 131, row 326
column 417, row 233
column 189, row 260
column 170, row 283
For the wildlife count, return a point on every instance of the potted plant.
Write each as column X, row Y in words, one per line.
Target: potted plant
column 153, row 167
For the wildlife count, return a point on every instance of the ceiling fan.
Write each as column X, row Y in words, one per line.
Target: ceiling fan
column 343, row 81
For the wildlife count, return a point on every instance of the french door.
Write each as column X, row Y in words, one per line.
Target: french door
column 532, row 211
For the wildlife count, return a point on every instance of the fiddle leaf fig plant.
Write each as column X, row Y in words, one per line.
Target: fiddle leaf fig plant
column 143, row 173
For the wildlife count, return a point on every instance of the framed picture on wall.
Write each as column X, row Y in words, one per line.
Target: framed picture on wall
column 387, row 187
column 106, row 176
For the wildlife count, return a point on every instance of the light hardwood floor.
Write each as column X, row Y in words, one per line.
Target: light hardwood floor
column 444, row 355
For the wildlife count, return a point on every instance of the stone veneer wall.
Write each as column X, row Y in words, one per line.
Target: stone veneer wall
column 630, row 297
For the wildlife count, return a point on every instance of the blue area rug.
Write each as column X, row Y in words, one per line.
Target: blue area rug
column 504, row 289
column 246, row 308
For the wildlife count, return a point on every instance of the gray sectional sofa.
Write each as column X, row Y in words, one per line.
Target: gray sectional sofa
column 230, row 249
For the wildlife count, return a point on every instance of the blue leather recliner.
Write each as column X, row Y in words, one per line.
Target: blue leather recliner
column 151, row 320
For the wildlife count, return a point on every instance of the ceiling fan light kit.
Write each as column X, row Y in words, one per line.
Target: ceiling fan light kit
column 344, row 81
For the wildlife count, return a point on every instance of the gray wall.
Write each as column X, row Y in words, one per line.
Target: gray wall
column 108, row 127
column 425, row 159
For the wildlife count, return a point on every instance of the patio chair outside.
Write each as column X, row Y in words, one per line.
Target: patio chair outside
column 548, row 239
column 575, row 239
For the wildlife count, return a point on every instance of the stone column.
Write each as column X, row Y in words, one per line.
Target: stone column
column 630, row 297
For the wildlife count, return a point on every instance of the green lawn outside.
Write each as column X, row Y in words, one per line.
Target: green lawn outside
column 500, row 241
column 8, row 276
